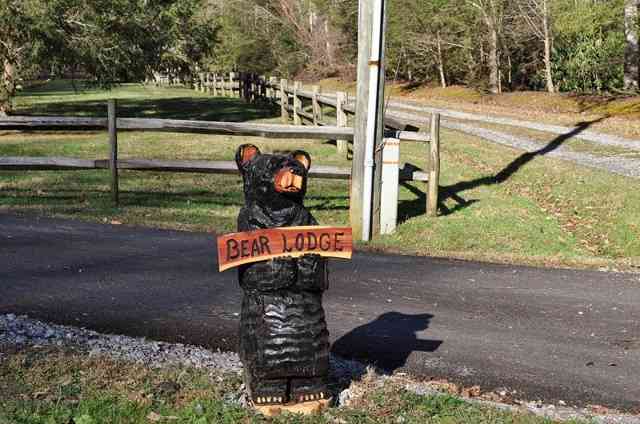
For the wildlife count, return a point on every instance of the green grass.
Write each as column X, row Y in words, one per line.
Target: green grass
column 65, row 385
column 538, row 210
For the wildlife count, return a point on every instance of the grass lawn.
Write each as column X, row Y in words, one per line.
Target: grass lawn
column 63, row 385
column 497, row 204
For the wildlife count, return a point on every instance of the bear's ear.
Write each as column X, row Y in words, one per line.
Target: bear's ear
column 244, row 154
column 303, row 158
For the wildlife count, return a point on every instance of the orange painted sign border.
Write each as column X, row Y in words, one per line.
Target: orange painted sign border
column 236, row 249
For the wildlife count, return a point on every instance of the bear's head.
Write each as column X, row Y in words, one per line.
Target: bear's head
column 275, row 180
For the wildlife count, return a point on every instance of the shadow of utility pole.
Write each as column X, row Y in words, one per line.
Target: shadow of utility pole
column 453, row 191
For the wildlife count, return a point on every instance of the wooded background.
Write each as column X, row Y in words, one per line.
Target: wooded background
column 494, row 45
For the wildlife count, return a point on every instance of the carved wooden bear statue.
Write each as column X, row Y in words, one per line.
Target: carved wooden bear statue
column 283, row 334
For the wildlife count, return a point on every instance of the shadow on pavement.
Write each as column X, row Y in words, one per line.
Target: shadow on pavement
column 371, row 343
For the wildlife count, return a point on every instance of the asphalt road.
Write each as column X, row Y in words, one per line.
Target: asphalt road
column 549, row 334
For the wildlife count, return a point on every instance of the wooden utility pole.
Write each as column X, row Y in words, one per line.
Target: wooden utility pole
column 369, row 122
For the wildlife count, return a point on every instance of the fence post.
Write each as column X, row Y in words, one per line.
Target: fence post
column 263, row 88
column 255, row 88
column 320, row 112
column 284, row 102
column 232, row 77
column 390, row 185
column 434, row 166
column 271, row 89
column 214, row 87
column 341, row 118
column 315, row 106
column 252, row 87
column 268, row 89
column 297, row 103
column 274, row 91
column 113, row 154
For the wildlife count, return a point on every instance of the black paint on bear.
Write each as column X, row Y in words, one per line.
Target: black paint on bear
column 284, row 342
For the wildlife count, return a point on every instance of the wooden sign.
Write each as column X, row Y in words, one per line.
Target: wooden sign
column 252, row 246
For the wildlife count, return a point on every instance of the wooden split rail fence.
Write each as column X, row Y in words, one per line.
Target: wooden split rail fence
column 302, row 106
column 251, row 88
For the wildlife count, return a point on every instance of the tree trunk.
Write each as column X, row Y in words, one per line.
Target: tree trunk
column 328, row 44
column 632, row 50
column 7, row 87
column 509, row 71
column 494, row 66
column 443, row 79
column 547, row 47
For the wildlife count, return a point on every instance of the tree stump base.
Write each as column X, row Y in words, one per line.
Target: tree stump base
column 304, row 408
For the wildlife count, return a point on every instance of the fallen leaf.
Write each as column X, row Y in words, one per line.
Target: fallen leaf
column 471, row 391
column 153, row 416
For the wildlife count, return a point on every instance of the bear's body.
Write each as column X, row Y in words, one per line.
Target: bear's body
column 284, row 342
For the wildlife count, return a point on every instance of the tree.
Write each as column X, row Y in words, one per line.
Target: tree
column 537, row 15
column 255, row 39
column 632, row 49
column 492, row 13
column 19, row 45
column 109, row 41
column 428, row 32
column 187, row 37
column 589, row 45
column 122, row 40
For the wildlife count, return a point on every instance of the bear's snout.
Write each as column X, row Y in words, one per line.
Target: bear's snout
column 286, row 181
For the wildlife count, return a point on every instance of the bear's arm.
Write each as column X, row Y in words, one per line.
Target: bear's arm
column 313, row 273
column 268, row 276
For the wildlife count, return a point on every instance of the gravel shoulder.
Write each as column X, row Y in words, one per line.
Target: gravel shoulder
column 351, row 380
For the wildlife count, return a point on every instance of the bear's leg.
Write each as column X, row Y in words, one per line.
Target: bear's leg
column 309, row 388
column 267, row 391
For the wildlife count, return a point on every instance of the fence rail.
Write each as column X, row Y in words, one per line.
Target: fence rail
column 49, row 163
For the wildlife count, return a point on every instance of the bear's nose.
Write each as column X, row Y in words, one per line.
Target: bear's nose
column 288, row 182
